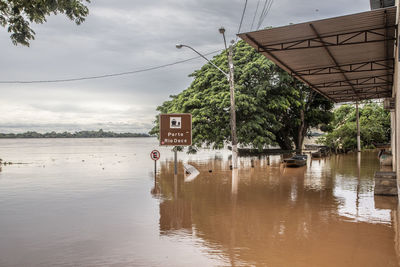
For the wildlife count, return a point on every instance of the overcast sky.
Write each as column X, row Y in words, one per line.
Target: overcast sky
column 126, row 35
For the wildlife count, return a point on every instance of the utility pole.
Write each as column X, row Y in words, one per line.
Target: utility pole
column 233, row 109
column 358, row 129
column 230, row 78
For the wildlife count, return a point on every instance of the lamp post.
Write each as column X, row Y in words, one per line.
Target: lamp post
column 179, row 46
column 233, row 106
column 232, row 94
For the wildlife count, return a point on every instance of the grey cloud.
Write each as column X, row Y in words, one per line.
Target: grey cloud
column 127, row 35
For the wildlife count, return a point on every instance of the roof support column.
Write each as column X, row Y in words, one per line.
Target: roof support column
column 358, row 128
column 393, row 138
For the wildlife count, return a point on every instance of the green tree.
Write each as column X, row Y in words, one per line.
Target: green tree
column 16, row 15
column 269, row 103
column 374, row 127
column 296, row 109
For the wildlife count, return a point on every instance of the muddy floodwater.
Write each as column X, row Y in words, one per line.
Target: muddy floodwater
column 95, row 202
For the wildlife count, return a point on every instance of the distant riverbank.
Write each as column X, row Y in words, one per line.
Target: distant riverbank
column 81, row 134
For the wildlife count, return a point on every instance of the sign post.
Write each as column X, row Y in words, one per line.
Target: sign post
column 175, row 161
column 155, row 155
column 176, row 130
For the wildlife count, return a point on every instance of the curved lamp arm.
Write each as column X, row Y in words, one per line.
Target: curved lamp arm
column 179, row 46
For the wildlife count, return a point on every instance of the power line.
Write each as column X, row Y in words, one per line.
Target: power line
column 262, row 12
column 269, row 8
column 255, row 14
column 265, row 12
column 241, row 20
column 107, row 75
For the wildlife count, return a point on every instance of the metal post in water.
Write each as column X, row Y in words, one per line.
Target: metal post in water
column 155, row 169
column 176, row 186
column 268, row 161
column 358, row 129
column 175, row 161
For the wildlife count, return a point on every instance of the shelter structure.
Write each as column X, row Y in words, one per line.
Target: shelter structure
column 346, row 59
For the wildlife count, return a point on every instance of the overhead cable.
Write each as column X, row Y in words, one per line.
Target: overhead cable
column 107, row 75
column 255, row 14
column 261, row 14
column 265, row 12
column 241, row 20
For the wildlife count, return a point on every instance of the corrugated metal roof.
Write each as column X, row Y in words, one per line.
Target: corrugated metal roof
column 346, row 58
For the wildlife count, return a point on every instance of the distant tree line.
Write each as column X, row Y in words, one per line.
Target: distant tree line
column 81, row 134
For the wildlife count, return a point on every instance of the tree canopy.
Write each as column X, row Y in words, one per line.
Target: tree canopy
column 16, row 15
column 374, row 127
column 269, row 103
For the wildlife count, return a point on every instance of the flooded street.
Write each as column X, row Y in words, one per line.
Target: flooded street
column 94, row 202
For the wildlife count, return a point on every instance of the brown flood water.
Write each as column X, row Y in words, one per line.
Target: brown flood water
column 319, row 215
column 96, row 203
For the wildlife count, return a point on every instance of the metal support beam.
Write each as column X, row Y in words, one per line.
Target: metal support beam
column 364, row 90
column 374, row 65
column 290, row 70
column 343, row 87
column 349, row 38
column 353, row 98
column 373, row 80
column 332, row 57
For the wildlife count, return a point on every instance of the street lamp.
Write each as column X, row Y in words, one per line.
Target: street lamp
column 232, row 94
column 179, row 46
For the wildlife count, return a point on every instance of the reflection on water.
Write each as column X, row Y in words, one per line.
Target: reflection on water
column 320, row 215
column 96, row 202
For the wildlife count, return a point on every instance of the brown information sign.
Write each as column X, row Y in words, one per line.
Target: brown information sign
column 175, row 129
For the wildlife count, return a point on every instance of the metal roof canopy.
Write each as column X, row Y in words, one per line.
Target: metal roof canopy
column 347, row 58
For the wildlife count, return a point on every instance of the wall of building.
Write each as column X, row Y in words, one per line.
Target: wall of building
column 396, row 115
column 381, row 3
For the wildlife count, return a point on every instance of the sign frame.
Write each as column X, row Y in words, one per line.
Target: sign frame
column 179, row 128
column 152, row 153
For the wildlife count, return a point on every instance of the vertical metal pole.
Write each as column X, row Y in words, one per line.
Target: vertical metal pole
column 358, row 129
column 175, row 162
column 155, row 168
column 233, row 109
column 176, row 186
column 393, row 138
